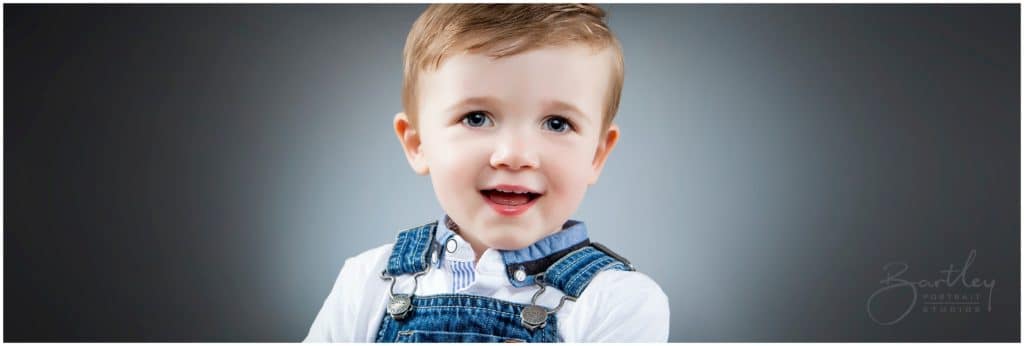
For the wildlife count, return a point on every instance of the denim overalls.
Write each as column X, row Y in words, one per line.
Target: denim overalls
column 472, row 318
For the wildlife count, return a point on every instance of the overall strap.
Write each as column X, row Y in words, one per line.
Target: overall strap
column 573, row 272
column 411, row 253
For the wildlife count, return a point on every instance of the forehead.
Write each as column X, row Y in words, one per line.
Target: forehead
column 574, row 75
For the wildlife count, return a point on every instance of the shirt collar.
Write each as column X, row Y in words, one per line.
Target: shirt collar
column 459, row 251
column 572, row 235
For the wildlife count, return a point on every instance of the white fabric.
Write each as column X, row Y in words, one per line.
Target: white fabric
column 617, row 306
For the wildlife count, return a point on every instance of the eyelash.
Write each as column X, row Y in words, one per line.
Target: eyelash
column 465, row 118
column 570, row 127
column 568, row 124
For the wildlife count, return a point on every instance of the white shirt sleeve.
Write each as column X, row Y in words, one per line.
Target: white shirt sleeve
column 619, row 306
column 349, row 313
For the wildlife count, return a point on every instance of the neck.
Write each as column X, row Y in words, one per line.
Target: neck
column 474, row 242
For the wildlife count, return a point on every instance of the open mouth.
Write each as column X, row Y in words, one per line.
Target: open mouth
column 511, row 199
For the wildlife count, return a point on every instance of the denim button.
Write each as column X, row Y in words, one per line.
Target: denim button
column 520, row 275
column 451, row 246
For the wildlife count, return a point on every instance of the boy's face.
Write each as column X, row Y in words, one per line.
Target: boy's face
column 529, row 122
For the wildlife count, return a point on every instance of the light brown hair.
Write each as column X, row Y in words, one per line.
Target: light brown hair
column 501, row 30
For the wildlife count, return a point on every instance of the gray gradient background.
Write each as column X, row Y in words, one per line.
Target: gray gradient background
column 181, row 172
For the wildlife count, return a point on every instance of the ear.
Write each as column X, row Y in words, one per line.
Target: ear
column 410, row 140
column 603, row 149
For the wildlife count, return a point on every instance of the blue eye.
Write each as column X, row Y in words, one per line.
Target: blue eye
column 475, row 119
column 557, row 124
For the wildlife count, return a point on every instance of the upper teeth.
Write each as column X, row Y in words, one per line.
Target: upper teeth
column 512, row 191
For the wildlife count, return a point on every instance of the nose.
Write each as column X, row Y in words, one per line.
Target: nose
column 514, row 153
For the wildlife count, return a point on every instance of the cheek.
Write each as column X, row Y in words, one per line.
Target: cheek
column 454, row 169
column 570, row 171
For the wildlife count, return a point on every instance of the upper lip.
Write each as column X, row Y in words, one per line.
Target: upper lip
column 512, row 188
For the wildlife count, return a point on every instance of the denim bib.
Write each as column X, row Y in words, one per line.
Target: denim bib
column 472, row 318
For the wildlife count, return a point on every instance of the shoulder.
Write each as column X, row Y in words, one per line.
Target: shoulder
column 618, row 284
column 377, row 255
column 349, row 310
column 359, row 271
column 373, row 261
column 364, row 266
column 632, row 287
column 623, row 306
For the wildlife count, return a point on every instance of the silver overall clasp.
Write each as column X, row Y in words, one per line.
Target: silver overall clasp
column 535, row 316
column 400, row 305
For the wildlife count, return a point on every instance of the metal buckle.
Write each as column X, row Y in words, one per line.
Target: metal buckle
column 535, row 316
column 400, row 305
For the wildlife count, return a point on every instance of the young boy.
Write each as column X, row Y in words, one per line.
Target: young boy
column 509, row 109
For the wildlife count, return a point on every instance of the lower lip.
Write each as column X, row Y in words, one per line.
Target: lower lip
column 510, row 210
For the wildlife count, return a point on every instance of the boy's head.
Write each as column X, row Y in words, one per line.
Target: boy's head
column 509, row 108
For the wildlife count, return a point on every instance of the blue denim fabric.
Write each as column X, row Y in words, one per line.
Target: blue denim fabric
column 464, row 318
column 573, row 273
column 470, row 318
column 411, row 251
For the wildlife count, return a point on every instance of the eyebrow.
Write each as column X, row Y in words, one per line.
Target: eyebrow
column 481, row 100
column 493, row 102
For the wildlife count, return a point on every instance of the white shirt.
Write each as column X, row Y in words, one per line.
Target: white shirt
column 617, row 306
